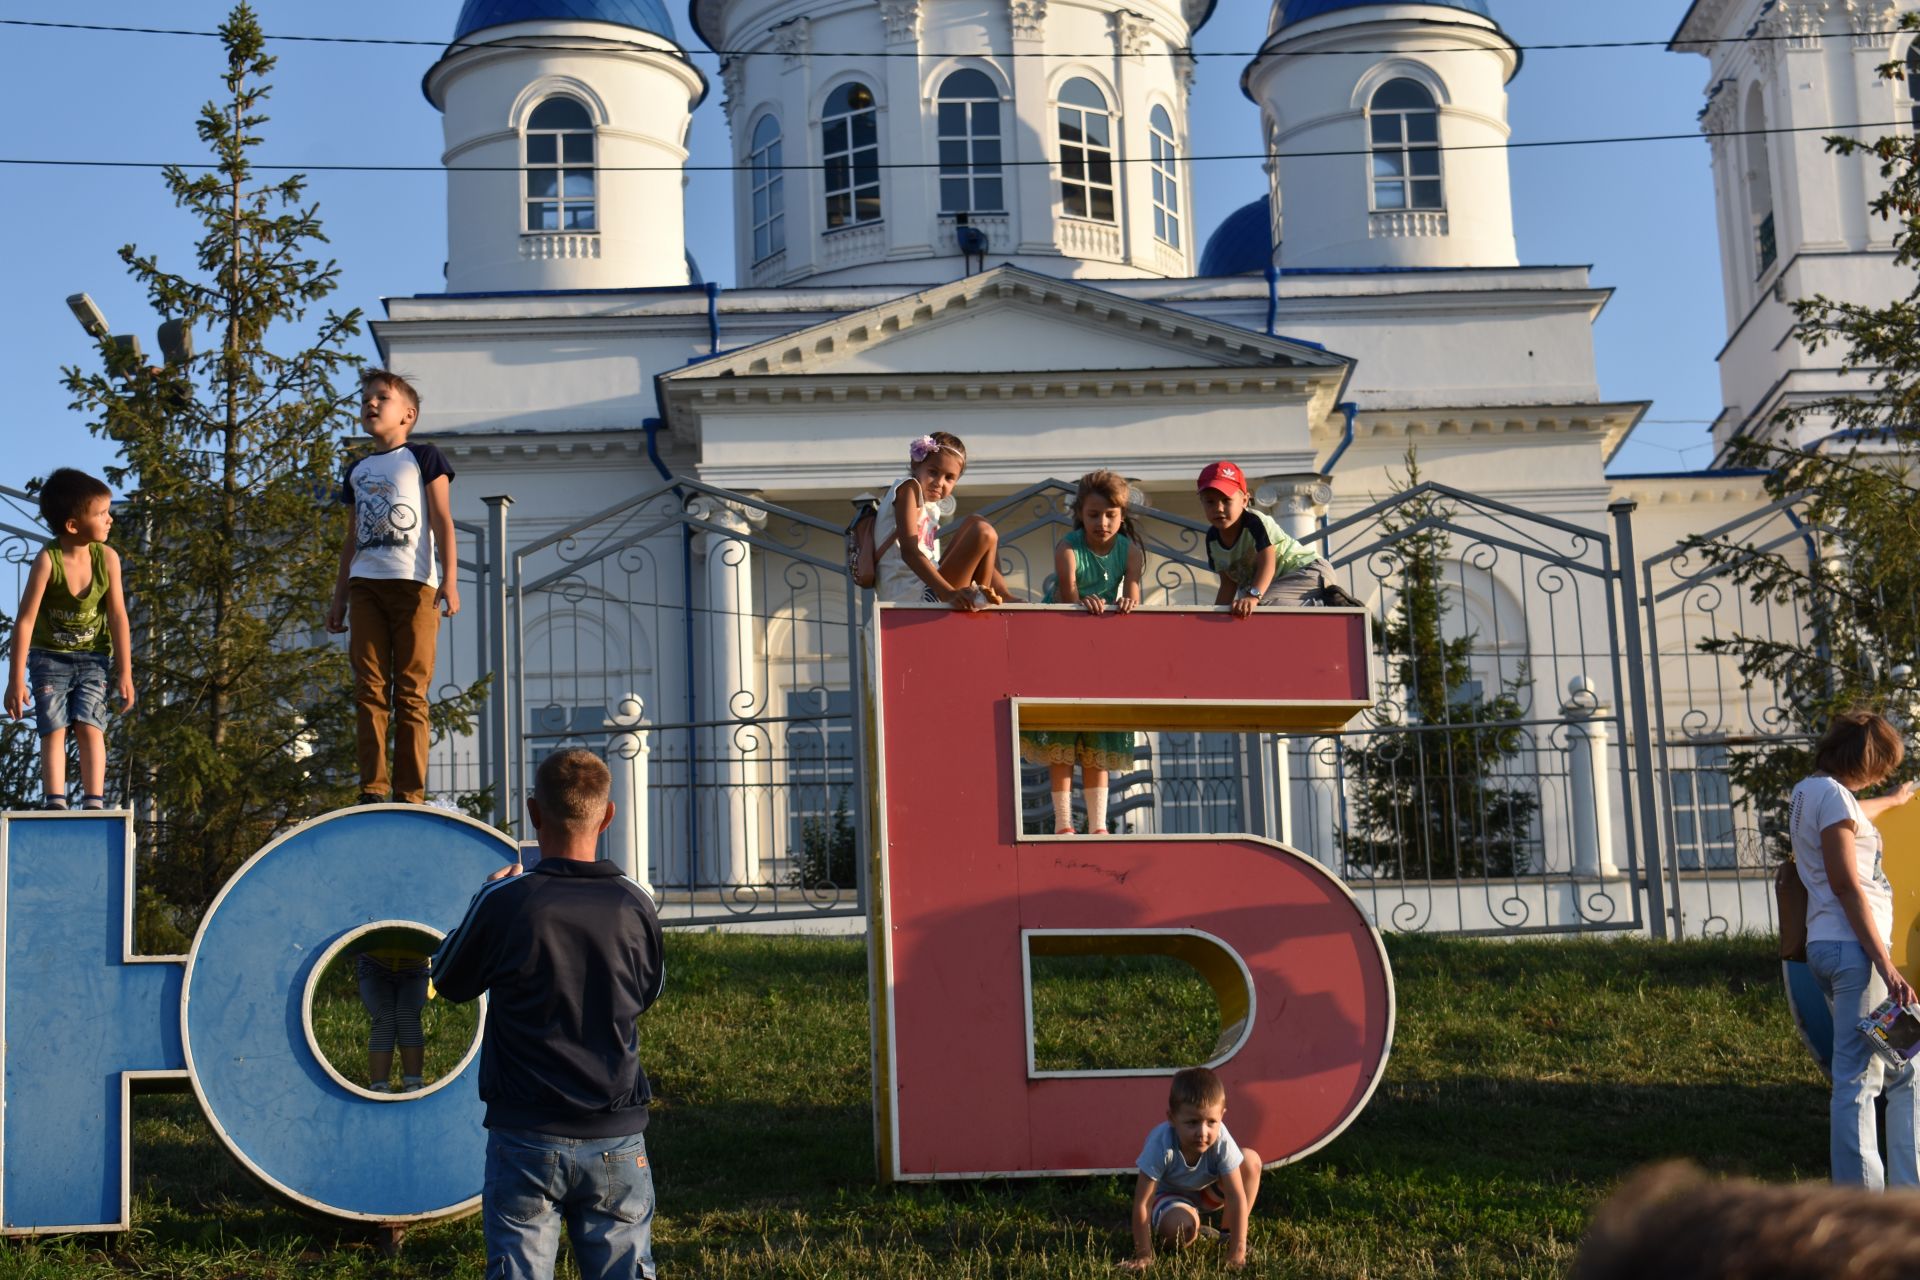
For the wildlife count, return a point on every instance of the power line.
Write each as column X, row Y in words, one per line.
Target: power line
column 972, row 167
column 462, row 45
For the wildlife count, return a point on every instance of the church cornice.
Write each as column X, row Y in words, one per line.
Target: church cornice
column 1612, row 422
column 820, row 346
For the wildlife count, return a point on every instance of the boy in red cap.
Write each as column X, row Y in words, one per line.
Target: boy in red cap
column 1257, row 562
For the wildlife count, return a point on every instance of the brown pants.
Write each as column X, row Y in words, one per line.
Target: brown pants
column 391, row 629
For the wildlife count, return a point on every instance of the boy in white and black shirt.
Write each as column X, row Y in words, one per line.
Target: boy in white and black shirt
column 397, row 572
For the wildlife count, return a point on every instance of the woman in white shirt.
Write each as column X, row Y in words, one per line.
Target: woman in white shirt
column 1849, row 933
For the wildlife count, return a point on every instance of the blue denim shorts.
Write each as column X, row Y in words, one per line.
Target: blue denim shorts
column 68, row 688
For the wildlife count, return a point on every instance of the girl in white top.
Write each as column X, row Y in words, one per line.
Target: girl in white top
column 1849, row 932
column 911, row 568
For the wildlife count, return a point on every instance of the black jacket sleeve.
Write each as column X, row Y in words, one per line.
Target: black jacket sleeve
column 463, row 966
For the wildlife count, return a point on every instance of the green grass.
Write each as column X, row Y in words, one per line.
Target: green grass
column 340, row 1027
column 1526, row 1079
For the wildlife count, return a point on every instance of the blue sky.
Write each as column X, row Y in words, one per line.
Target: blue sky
column 1641, row 214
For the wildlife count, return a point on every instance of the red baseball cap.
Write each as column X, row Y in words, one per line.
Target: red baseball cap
column 1224, row 476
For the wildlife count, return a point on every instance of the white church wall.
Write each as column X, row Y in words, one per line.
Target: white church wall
column 794, row 62
column 639, row 95
column 1320, row 104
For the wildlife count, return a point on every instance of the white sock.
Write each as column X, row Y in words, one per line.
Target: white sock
column 1063, row 810
column 1096, row 809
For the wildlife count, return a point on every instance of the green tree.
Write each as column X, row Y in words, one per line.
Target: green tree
column 1847, row 464
column 230, row 530
column 1434, row 795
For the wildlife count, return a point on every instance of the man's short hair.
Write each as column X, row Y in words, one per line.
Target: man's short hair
column 571, row 788
column 392, row 381
column 1195, row 1087
column 1860, row 748
column 65, row 495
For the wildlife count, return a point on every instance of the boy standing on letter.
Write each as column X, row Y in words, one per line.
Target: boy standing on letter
column 398, row 568
column 71, row 629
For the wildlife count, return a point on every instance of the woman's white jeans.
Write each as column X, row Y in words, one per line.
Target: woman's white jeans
column 1853, row 990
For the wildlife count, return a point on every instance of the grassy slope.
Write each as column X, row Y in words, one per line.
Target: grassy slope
column 1526, row 1078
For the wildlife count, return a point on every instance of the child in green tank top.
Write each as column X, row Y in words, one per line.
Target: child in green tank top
column 71, row 634
column 1098, row 567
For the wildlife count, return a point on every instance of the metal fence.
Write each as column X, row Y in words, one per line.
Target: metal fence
column 1548, row 752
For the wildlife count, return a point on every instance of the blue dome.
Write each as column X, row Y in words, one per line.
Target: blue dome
column 645, row 15
column 1301, row 10
column 1243, row 244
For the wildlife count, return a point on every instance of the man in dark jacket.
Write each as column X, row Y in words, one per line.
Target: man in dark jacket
column 569, row 954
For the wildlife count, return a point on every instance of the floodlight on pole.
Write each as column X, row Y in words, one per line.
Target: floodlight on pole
column 87, row 312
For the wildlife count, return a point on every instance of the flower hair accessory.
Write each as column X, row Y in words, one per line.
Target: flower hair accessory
column 923, row 448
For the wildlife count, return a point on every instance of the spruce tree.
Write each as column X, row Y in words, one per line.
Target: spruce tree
column 1848, row 465
column 1432, row 794
column 230, row 529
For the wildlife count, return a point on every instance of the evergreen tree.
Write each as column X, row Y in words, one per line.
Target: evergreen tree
column 1434, row 797
column 230, row 528
column 1848, row 464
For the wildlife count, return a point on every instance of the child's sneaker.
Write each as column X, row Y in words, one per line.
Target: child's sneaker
column 54, row 802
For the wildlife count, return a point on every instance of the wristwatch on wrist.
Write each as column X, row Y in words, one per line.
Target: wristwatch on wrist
column 1248, row 593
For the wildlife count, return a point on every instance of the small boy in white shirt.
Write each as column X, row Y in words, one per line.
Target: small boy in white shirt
column 399, row 574
column 1189, row 1168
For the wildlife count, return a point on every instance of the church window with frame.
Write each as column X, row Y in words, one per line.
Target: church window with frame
column 1404, row 125
column 1086, row 152
column 850, row 154
column 559, row 165
column 1166, row 178
column 967, row 132
column 1912, row 83
column 768, row 183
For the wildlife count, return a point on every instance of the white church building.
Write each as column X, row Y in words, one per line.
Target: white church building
column 973, row 216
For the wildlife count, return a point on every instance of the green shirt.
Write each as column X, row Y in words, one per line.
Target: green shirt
column 68, row 623
column 1094, row 576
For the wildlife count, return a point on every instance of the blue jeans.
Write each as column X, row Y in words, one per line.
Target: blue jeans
column 1853, row 990
column 602, row 1187
column 68, row 688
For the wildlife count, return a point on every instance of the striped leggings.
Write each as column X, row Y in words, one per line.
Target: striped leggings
column 394, row 998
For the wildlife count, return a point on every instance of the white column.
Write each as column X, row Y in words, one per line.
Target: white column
column 729, row 846
column 1305, row 821
column 1590, row 799
column 628, row 755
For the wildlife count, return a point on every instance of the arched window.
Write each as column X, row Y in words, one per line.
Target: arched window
column 1913, row 83
column 1406, row 147
column 1086, row 152
column 1766, row 246
column 560, row 167
column 1166, row 179
column 769, row 190
column 850, row 149
column 967, row 111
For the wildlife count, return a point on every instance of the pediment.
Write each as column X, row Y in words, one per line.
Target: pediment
column 1008, row 321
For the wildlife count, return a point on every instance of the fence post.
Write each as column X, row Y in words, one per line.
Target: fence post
column 1640, row 723
column 497, row 732
column 627, row 757
column 1588, row 788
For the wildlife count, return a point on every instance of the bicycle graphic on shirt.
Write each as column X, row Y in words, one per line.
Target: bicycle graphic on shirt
column 384, row 522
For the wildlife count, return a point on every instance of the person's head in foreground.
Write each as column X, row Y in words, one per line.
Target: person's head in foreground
column 1672, row 1220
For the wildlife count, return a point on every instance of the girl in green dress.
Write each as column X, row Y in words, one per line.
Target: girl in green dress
column 1098, row 567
